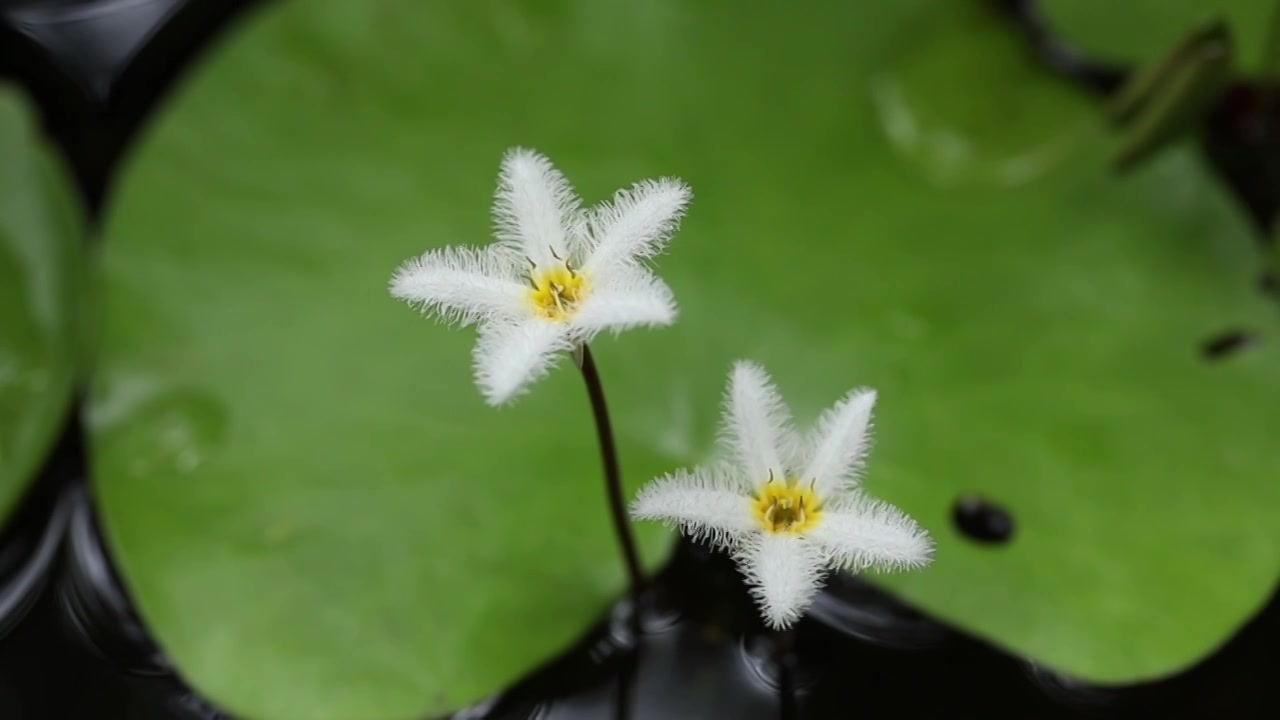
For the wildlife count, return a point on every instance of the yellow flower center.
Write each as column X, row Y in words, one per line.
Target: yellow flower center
column 786, row 507
column 556, row 291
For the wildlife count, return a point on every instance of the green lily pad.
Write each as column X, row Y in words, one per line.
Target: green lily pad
column 318, row 516
column 40, row 230
column 1139, row 31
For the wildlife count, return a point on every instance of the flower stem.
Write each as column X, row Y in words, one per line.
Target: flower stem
column 784, row 642
column 612, row 476
column 622, row 700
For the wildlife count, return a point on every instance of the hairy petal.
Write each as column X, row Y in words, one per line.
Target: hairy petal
column 757, row 424
column 784, row 572
column 636, row 224
column 838, row 445
column 857, row 532
column 632, row 298
column 459, row 284
column 511, row 355
column 704, row 503
column 535, row 210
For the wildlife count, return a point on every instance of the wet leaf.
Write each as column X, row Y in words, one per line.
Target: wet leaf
column 318, row 516
column 39, row 245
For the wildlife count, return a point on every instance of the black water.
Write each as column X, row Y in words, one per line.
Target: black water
column 71, row 645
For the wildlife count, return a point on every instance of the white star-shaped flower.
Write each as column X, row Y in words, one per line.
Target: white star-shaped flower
column 788, row 507
column 557, row 275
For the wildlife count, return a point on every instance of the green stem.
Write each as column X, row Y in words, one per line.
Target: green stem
column 612, row 475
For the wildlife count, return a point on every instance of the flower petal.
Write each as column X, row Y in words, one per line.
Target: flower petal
column 858, row 532
column 535, row 210
column 757, row 425
column 511, row 355
column 632, row 297
column 704, row 503
column 460, row 284
column 636, row 224
column 784, row 571
column 838, row 444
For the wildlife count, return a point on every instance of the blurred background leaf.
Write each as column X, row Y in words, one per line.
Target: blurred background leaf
column 1140, row 30
column 40, row 232
column 319, row 518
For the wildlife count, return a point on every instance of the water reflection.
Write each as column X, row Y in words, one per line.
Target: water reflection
column 1069, row 690
column 857, row 610
column 71, row 645
column 702, row 653
column 94, row 606
column 689, row 662
column 859, row 652
column 28, row 551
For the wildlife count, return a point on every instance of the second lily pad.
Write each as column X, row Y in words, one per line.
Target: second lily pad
column 40, row 234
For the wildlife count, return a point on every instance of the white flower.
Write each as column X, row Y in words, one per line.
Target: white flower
column 557, row 275
column 789, row 508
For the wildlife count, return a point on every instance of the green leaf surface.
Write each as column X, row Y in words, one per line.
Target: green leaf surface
column 320, row 519
column 40, row 232
column 1140, row 31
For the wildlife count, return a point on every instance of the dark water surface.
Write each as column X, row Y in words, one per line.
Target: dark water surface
column 72, row 647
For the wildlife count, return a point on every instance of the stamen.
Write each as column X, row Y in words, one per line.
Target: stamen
column 556, row 292
column 786, row 505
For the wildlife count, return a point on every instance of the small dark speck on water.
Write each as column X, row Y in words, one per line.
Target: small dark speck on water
column 982, row 520
column 1221, row 346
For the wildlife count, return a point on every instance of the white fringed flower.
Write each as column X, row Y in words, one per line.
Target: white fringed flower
column 557, row 275
column 789, row 508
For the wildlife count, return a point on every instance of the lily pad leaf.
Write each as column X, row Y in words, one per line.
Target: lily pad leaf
column 319, row 517
column 40, row 236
